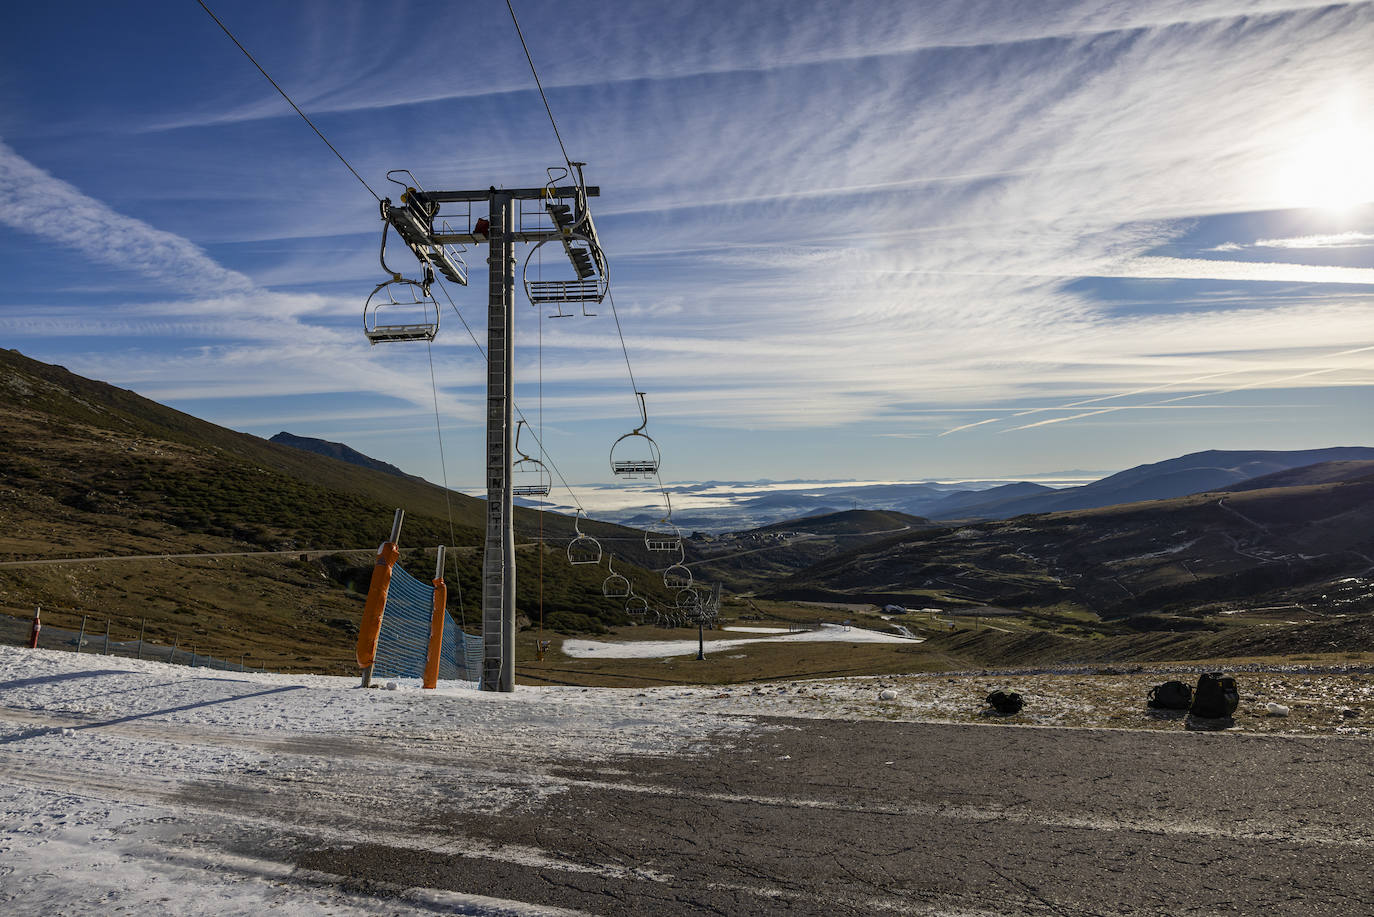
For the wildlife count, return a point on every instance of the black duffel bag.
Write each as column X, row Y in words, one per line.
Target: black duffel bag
column 1172, row 695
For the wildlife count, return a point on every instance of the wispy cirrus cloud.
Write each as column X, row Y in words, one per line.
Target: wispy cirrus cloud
column 873, row 218
column 1350, row 239
column 36, row 202
column 262, row 343
column 1251, row 271
column 705, row 42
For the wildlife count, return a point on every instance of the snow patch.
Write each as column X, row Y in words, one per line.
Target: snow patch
column 657, row 649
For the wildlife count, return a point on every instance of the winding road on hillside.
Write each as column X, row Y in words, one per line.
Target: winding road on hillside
column 51, row 561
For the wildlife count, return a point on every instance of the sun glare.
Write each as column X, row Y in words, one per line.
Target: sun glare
column 1332, row 166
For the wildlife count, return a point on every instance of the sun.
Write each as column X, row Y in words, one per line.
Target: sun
column 1331, row 166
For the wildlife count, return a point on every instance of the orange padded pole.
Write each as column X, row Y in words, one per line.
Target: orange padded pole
column 371, row 628
column 436, row 634
column 436, row 624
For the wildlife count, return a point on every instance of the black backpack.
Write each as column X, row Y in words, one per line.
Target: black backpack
column 1005, row 701
column 1216, row 696
column 1172, row 695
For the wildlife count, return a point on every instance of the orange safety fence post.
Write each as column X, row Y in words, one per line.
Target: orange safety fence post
column 436, row 625
column 371, row 628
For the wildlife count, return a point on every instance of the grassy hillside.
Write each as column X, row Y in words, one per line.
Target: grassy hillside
column 91, row 470
column 848, row 522
column 756, row 558
column 1307, row 548
column 1319, row 473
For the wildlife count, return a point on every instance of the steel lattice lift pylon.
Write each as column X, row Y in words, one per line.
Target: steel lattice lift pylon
column 562, row 216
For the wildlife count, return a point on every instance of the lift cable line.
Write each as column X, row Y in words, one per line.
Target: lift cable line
column 378, row 198
column 634, row 386
column 303, row 115
column 539, row 441
column 537, row 82
column 480, row 349
column 534, row 71
column 586, row 290
column 543, row 451
column 414, row 220
column 443, row 469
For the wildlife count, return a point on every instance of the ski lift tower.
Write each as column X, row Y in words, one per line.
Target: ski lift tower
column 559, row 214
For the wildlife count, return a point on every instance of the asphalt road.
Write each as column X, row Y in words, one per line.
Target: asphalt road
column 830, row 817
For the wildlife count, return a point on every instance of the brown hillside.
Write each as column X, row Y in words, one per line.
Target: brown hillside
column 91, row 470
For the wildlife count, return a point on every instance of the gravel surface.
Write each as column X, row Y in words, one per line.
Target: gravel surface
column 1320, row 702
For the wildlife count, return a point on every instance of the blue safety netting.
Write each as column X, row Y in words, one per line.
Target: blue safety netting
column 404, row 639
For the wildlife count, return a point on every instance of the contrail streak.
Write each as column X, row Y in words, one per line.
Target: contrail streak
column 1100, row 398
column 1221, row 391
column 1153, row 388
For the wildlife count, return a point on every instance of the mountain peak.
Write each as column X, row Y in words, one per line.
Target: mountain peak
column 340, row 451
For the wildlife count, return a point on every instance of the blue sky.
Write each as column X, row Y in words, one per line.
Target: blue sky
column 869, row 241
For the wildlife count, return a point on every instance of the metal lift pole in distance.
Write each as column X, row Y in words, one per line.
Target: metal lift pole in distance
column 414, row 220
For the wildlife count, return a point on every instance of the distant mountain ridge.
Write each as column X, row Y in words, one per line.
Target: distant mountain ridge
column 338, row 451
column 1302, row 549
column 1197, row 472
column 986, row 501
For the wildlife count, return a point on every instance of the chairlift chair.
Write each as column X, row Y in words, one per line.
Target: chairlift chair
column 636, row 455
column 688, row 600
column 710, row 610
column 529, row 476
column 412, row 314
column 583, row 549
column 677, row 575
column 663, row 535
column 589, row 286
column 615, row 586
column 637, row 606
column 577, row 235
